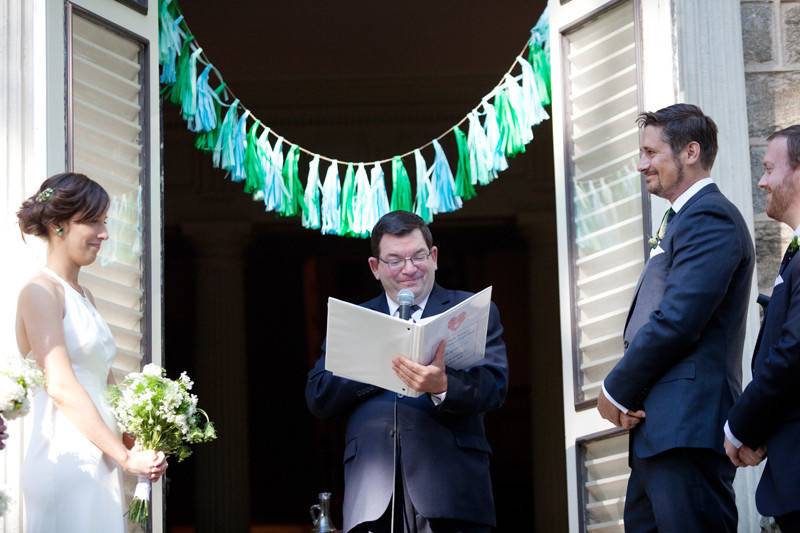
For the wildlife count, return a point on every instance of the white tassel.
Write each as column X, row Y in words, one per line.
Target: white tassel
column 331, row 196
column 480, row 152
column 311, row 212
column 361, row 201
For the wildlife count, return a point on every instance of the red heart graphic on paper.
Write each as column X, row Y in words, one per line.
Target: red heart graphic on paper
column 455, row 322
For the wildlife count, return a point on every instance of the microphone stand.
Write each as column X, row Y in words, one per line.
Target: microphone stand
column 405, row 314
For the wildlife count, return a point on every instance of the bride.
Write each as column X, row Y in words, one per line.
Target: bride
column 72, row 478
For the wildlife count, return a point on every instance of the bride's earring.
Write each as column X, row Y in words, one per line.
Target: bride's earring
column 59, row 231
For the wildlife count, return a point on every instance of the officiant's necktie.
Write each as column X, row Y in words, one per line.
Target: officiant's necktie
column 414, row 309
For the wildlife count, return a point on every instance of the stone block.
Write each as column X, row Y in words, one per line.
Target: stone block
column 757, row 31
column 791, row 33
column 756, row 170
column 769, row 251
column 772, row 101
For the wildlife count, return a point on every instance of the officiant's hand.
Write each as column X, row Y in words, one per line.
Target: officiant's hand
column 430, row 378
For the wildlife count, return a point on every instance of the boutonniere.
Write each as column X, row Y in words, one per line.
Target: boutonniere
column 795, row 244
column 656, row 239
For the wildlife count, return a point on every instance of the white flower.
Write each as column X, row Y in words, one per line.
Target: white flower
column 152, row 370
column 187, row 382
column 11, row 393
column 5, row 501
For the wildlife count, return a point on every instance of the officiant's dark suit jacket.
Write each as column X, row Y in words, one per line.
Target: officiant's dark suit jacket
column 685, row 329
column 444, row 454
column 768, row 411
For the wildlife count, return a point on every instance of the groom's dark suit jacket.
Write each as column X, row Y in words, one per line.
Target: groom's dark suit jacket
column 768, row 411
column 685, row 329
column 443, row 449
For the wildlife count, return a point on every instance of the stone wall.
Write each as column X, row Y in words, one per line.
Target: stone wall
column 771, row 39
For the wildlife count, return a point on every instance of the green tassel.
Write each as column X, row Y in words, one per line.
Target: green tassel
column 293, row 201
column 348, row 201
column 508, row 124
column 401, row 187
column 464, row 187
column 185, row 77
column 253, row 162
column 539, row 58
column 206, row 140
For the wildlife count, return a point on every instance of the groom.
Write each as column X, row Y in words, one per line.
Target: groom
column 443, row 483
column 682, row 364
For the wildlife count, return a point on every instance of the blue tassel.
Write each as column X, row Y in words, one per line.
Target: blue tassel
column 499, row 161
column 170, row 43
column 237, row 167
column 311, row 196
column 443, row 197
column 480, row 152
column 423, row 188
column 223, row 150
column 189, row 97
column 380, row 200
column 274, row 189
column 205, row 116
column 361, row 202
column 331, row 191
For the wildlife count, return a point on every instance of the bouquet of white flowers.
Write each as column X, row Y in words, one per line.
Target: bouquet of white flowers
column 162, row 415
column 18, row 378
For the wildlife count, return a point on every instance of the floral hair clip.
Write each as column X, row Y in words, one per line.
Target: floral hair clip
column 44, row 195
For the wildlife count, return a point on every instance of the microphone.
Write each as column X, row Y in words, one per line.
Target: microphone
column 405, row 297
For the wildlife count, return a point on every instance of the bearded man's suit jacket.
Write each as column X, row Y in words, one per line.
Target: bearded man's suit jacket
column 768, row 411
column 444, row 454
column 685, row 329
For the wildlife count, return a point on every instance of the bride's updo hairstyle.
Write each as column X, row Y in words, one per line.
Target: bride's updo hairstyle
column 61, row 197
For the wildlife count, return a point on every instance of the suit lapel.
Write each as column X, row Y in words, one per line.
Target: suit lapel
column 711, row 188
column 379, row 304
column 437, row 301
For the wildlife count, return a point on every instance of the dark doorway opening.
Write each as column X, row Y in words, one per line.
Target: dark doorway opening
column 246, row 291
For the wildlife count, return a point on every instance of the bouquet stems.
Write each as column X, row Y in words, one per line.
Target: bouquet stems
column 139, row 509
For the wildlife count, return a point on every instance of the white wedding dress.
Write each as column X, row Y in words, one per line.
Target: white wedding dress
column 69, row 485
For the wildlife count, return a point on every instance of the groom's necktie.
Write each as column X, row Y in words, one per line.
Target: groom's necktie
column 662, row 229
column 790, row 252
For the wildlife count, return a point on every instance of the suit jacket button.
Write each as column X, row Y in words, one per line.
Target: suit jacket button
column 625, row 345
column 391, row 433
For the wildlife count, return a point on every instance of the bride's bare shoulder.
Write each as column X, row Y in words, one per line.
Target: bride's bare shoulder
column 41, row 289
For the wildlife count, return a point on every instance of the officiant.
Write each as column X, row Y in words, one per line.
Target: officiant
column 420, row 463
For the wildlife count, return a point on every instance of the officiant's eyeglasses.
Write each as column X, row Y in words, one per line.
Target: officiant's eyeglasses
column 399, row 263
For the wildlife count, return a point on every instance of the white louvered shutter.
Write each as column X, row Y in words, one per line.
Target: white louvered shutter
column 107, row 143
column 604, row 481
column 606, row 221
